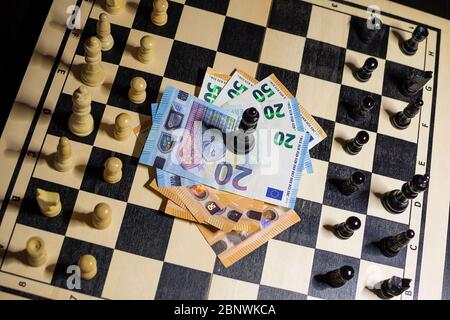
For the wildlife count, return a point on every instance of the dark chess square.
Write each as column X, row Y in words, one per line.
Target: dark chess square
column 71, row 251
column 323, row 60
column 121, row 86
column 144, row 232
column 241, row 39
column 30, row 214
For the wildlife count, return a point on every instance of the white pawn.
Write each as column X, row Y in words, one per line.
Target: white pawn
column 122, row 127
column 113, row 170
column 101, row 217
column 88, row 267
column 159, row 13
column 92, row 73
column 115, row 6
column 137, row 93
column 63, row 159
column 49, row 202
column 104, row 32
column 36, row 253
column 145, row 54
column 81, row 122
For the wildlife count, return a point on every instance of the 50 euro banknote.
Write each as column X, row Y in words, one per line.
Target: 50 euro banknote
column 212, row 85
column 269, row 89
column 187, row 140
column 232, row 246
column 239, row 83
column 217, row 208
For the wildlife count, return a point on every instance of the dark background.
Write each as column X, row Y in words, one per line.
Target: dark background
column 23, row 20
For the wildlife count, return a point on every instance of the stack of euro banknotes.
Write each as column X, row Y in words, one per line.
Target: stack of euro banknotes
column 239, row 201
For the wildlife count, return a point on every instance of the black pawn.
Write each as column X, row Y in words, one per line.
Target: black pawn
column 346, row 229
column 365, row 73
column 393, row 287
column 337, row 278
column 402, row 119
column 397, row 201
column 249, row 120
column 351, row 185
column 391, row 246
column 370, row 30
column 243, row 140
column 362, row 110
column 416, row 80
column 355, row 145
column 409, row 47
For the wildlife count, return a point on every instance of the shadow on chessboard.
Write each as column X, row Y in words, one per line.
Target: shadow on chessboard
column 399, row 37
column 343, row 142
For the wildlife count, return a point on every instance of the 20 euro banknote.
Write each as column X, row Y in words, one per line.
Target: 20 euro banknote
column 188, row 140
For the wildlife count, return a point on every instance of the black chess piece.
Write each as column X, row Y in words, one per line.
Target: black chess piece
column 391, row 246
column 337, row 278
column 365, row 72
column 351, row 185
column 416, row 80
column 355, row 145
column 346, row 229
column 397, row 201
column 393, row 287
column 242, row 141
column 362, row 110
column 369, row 29
column 409, row 47
column 402, row 119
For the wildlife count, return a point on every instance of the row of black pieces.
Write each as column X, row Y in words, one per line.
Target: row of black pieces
column 400, row 120
column 386, row 289
column 410, row 86
column 369, row 29
column 395, row 201
column 389, row 246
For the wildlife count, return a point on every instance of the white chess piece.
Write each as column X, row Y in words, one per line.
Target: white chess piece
column 101, row 217
column 113, row 170
column 92, row 73
column 49, row 202
column 145, row 54
column 122, row 127
column 36, row 252
column 63, row 159
column 88, row 266
column 81, row 122
column 137, row 93
column 115, row 7
column 159, row 13
column 373, row 277
column 104, row 32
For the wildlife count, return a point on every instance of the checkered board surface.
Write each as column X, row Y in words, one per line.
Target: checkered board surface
column 312, row 47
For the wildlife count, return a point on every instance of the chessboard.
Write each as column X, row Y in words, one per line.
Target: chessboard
column 313, row 48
